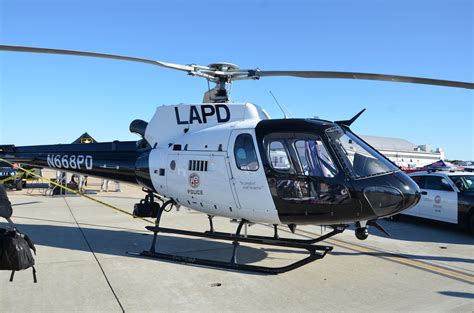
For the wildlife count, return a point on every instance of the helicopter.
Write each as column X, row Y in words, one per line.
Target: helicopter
column 232, row 160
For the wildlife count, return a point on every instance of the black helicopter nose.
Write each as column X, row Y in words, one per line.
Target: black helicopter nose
column 411, row 191
column 384, row 200
column 400, row 193
column 411, row 199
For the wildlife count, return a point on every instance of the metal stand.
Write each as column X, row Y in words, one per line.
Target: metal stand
column 275, row 234
column 316, row 252
column 211, row 224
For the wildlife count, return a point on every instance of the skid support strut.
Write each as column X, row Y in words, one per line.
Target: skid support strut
column 315, row 252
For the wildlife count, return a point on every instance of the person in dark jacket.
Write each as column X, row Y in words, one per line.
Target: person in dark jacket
column 5, row 205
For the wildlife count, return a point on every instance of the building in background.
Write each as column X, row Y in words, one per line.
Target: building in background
column 405, row 153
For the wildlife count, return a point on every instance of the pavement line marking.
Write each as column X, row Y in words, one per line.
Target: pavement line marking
column 395, row 258
column 405, row 260
column 95, row 257
column 400, row 255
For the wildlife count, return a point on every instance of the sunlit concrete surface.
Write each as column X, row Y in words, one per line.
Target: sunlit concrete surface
column 83, row 266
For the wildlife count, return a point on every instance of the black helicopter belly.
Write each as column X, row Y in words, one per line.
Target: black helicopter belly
column 310, row 200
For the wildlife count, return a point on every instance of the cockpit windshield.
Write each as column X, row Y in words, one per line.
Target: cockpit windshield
column 358, row 158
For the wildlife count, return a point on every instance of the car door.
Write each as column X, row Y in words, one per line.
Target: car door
column 441, row 200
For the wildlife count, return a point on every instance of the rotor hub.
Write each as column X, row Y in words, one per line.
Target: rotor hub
column 224, row 67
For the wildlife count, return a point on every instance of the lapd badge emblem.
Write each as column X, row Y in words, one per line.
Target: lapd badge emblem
column 194, row 180
column 437, row 199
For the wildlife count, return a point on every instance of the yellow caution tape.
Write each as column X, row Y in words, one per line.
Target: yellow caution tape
column 76, row 192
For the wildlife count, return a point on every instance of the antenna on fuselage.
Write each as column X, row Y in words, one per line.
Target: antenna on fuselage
column 278, row 103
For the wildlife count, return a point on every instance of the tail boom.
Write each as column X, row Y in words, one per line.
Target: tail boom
column 110, row 160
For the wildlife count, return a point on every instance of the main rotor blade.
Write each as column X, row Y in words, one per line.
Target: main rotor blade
column 214, row 75
column 366, row 76
column 96, row 55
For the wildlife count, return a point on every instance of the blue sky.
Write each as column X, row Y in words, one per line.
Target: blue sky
column 48, row 99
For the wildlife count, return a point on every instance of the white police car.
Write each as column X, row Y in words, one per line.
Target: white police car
column 445, row 196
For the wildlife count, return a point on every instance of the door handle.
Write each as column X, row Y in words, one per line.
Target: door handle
column 424, row 193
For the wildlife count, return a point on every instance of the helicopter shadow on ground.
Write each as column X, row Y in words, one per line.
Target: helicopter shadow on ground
column 410, row 228
column 465, row 238
column 25, row 203
column 382, row 254
column 44, row 187
column 457, row 294
column 119, row 241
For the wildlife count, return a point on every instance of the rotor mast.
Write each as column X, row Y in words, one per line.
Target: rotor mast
column 221, row 92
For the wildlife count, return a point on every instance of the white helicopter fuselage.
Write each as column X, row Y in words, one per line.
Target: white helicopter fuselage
column 193, row 160
column 231, row 160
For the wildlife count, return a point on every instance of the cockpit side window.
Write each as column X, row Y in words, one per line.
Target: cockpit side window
column 245, row 154
column 314, row 158
column 278, row 155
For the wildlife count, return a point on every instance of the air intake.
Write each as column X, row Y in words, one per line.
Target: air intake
column 138, row 127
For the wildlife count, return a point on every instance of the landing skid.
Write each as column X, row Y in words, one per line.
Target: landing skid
column 315, row 252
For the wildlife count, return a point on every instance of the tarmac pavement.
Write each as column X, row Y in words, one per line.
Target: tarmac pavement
column 83, row 265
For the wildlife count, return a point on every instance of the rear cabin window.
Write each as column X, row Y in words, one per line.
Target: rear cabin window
column 314, row 158
column 245, row 154
column 278, row 156
column 301, row 153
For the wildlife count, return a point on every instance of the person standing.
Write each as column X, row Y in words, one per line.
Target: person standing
column 105, row 185
column 6, row 210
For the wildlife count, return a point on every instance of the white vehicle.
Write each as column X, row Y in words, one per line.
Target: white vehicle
column 446, row 196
